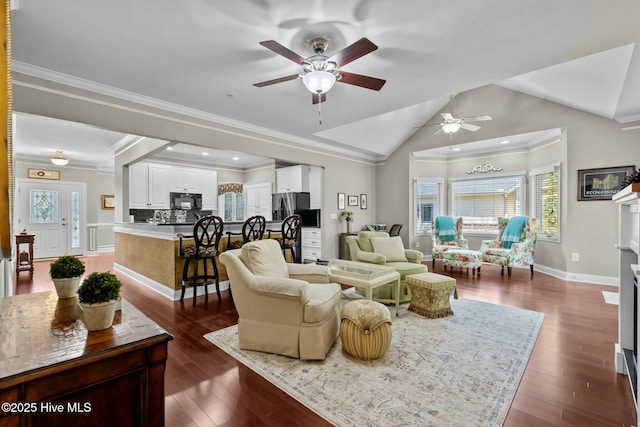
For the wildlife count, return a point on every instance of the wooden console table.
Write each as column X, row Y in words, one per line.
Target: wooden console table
column 55, row 373
column 27, row 239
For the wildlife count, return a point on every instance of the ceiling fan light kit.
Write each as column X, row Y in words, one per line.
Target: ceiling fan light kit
column 319, row 81
column 451, row 127
column 59, row 159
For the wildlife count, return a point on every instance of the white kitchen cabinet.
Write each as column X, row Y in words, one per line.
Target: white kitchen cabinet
column 148, row 186
column 311, row 244
column 185, row 180
column 315, row 187
column 258, row 200
column 292, row 179
column 208, row 187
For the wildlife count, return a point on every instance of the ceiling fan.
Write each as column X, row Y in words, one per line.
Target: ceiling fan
column 320, row 72
column 451, row 123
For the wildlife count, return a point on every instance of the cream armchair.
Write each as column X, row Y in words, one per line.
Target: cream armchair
column 519, row 254
column 288, row 309
column 377, row 247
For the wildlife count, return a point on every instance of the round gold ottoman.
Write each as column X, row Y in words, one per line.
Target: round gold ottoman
column 365, row 329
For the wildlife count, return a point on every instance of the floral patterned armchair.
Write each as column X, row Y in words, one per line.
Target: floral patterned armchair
column 520, row 253
column 438, row 247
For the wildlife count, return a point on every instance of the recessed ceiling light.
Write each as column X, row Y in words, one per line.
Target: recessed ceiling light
column 504, row 142
column 456, row 149
column 236, row 158
column 169, row 148
column 205, row 153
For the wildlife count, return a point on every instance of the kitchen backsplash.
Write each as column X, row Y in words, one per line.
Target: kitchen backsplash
column 172, row 216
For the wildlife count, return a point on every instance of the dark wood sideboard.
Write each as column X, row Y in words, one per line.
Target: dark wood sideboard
column 53, row 372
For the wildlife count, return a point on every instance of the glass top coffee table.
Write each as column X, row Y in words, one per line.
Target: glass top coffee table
column 367, row 276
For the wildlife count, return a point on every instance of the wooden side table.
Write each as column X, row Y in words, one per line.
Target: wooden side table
column 22, row 265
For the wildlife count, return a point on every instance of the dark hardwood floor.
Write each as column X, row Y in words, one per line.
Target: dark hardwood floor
column 570, row 379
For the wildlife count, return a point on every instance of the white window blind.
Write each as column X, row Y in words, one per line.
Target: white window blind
column 427, row 202
column 545, row 197
column 481, row 201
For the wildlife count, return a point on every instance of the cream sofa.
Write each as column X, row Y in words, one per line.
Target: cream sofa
column 288, row 309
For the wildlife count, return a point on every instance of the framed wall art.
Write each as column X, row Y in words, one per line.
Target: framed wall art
column 341, row 201
column 363, row 201
column 352, row 201
column 601, row 183
column 44, row 174
column 107, row 202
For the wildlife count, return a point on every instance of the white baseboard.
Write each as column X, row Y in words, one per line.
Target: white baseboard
column 173, row 295
column 591, row 279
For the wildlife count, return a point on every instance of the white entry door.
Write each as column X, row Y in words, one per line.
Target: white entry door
column 54, row 213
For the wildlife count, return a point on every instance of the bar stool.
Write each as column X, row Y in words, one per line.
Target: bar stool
column 252, row 229
column 207, row 233
column 290, row 233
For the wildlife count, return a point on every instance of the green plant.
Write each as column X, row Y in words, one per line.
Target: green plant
column 65, row 267
column 99, row 287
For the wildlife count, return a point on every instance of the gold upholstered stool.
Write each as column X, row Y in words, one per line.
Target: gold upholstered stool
column 365, row 329
column 430, row 294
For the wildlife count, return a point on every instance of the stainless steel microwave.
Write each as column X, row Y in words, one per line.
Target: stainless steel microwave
column 185, row 201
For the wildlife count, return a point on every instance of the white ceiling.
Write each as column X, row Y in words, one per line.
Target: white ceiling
column 204, row 55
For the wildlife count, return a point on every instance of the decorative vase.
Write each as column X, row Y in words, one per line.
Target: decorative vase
column 348, row 226
column 68, row 287
column 99, row 316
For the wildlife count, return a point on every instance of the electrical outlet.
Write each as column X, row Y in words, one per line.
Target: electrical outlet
column 417, row 244
column 575, row 256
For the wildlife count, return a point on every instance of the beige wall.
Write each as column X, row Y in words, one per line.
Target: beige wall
column 588, row 228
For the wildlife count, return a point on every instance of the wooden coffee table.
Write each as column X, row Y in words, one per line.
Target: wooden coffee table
column 367, row 276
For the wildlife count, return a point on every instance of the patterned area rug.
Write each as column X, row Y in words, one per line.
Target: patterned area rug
column 457, row 371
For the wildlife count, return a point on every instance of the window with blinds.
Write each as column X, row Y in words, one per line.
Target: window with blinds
column 481, row 201
column 545, row 196
column 427, row 202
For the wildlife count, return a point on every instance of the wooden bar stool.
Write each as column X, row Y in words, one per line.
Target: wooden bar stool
column 206, row 235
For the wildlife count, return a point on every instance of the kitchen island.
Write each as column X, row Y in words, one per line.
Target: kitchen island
column 150, row 253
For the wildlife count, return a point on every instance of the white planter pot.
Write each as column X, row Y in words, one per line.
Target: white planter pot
column 67, row 288
column 97, row 317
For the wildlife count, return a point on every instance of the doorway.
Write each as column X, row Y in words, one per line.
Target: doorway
column 55, row 212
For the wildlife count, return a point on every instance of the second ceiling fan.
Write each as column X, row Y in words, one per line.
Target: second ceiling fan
column 451, row 123
column 320, row 72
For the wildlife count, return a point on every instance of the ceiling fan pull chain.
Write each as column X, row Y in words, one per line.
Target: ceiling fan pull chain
column 319, row 112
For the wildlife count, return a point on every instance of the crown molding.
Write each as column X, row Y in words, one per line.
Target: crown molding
column 237, row 127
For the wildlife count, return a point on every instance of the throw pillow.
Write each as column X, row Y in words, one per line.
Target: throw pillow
column 391, row 247
column 265, row 258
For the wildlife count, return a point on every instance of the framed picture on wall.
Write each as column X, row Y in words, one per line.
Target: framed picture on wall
column 601, row 183
column 341, row 200
column 107, row 202
column 352, row 201
column 363, row 201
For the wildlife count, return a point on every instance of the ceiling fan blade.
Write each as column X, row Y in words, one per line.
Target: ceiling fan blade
column 281, row 50
column 467, row 126
column 274, row 81
column 447, row 116
column 477, row 119
column 631, row 128
column 317, row 98
column 362, row 81
column 353, row 52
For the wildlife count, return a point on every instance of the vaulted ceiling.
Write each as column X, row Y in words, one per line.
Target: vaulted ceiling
column 203, row 56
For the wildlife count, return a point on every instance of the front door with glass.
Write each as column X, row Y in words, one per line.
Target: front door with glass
column 53, row 212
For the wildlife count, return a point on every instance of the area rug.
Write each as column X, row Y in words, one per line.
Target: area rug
column 461, row 370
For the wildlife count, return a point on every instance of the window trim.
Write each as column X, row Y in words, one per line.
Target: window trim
column 440, row 198
column 532, row 174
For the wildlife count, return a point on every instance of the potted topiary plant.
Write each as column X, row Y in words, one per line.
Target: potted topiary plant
column 65, row 273
column 98, row 296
